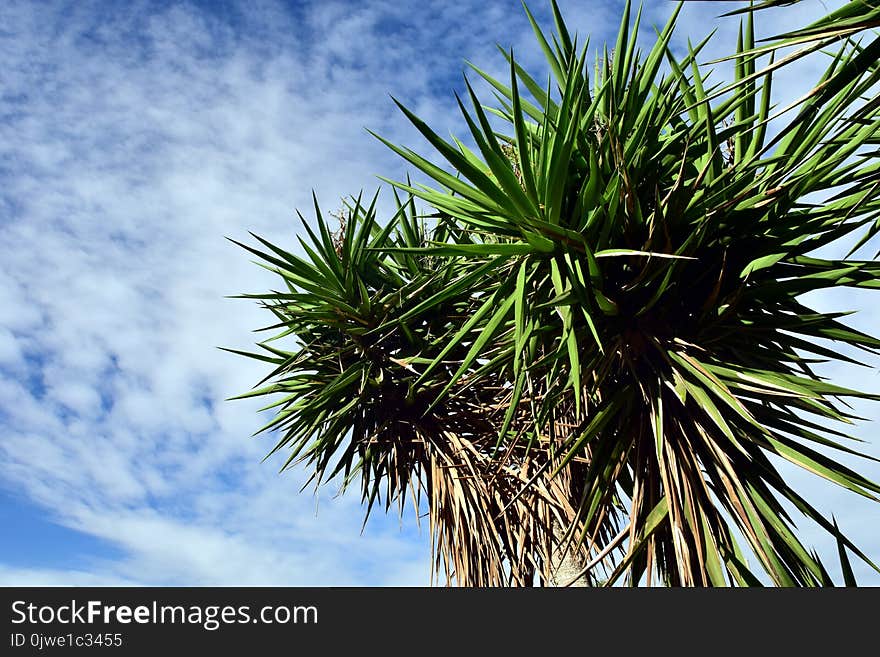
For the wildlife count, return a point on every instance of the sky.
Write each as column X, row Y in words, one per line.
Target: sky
column 135, row 137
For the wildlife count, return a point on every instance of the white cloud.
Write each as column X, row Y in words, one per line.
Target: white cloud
column 10, row 351
column 58, row 577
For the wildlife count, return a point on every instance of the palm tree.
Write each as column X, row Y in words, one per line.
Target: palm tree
column 591, row 342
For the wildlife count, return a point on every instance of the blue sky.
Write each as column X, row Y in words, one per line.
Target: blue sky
column 134, row 137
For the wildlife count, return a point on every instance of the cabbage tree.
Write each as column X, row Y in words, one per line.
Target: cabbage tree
column 585, row 334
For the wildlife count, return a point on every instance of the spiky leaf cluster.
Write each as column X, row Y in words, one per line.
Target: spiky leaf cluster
column 599, row 344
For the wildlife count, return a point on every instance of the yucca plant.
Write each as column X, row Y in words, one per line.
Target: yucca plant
column 590, row 343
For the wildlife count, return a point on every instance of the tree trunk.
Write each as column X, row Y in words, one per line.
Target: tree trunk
column 566, row 564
